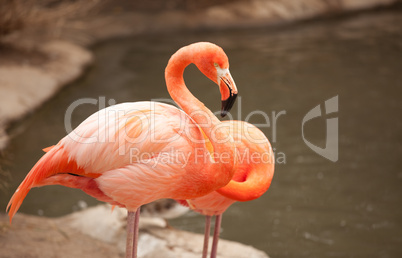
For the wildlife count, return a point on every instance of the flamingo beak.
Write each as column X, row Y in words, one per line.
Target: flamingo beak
column 228, row 92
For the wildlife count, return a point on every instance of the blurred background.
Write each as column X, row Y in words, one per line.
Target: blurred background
column 286, row 58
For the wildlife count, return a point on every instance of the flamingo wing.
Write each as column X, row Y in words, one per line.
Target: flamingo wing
column 120, row 148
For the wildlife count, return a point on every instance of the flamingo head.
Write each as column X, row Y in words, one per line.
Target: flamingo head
column 213, row 63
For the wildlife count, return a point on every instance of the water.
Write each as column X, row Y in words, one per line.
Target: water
column 315, row 207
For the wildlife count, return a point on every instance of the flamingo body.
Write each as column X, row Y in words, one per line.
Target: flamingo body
column 253, row 174
column 119, row 158
column 254, row 171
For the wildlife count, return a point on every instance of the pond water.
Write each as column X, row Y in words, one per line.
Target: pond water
column 315, row 207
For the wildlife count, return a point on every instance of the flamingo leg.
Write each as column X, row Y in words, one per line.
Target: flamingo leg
column 206, row 236
column 133, row 218
column 218, row 221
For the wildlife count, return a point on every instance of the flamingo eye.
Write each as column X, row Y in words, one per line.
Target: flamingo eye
column 216, row 65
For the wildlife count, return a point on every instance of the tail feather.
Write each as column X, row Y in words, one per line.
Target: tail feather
column 16, row 201
column 53, row 162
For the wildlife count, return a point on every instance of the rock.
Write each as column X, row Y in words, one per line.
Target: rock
column 155, row 238
column 99, row 232
column 177, row 243
column 164, row 208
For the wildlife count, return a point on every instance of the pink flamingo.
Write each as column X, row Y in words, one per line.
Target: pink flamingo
column 134, row 153
column 253, row 175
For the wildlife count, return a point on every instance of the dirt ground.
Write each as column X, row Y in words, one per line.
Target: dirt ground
column 31, row 237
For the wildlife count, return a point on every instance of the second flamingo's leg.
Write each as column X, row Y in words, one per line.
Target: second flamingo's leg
column 206, row 236
column 218, row 221
column 133, row 218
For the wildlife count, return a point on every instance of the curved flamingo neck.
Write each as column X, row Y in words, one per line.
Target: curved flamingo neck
column 178, row 89
column 219, row 136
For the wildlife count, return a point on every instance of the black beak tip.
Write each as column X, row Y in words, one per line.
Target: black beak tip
column 227, row 104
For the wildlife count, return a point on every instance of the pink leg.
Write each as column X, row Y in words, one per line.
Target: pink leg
column 133, row 218
column 218, row 220
column 206, row 236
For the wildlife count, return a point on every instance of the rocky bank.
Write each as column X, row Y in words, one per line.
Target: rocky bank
column 99, row 232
